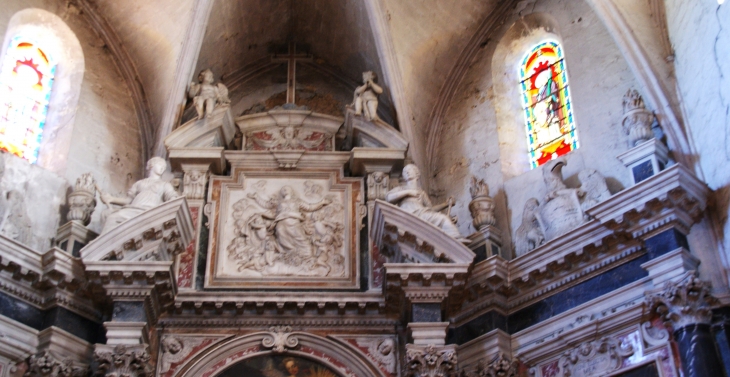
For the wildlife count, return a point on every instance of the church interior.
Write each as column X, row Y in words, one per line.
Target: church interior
column 356, row 188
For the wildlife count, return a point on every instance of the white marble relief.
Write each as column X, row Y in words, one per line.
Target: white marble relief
column 286, row 228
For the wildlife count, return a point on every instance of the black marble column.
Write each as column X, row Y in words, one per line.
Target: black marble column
column 721, row 330
column 697, row 351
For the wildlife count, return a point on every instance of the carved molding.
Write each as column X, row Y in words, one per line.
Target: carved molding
column 279, row 339
column 126, row 361
column 500, row 366
column 45, row 364
column 684, row 302
column 430, row 361
column 595, row 358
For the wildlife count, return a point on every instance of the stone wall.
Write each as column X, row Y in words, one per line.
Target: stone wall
column 700, row 34
column 104, row 137
column 483, row 133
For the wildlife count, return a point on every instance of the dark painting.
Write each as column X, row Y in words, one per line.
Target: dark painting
column 278, row 366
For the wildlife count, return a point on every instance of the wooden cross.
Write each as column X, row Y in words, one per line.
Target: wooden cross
column 291, row 75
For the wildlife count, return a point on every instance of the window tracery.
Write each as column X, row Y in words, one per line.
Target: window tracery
column 551, row 130
column 26, row 80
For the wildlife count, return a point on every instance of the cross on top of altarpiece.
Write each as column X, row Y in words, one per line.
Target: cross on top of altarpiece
column 291, row 59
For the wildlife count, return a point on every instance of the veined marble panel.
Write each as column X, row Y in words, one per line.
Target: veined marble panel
column 284, row 229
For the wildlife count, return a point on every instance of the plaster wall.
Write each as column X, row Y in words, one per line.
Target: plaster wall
column 700, row 34
column 483, row 133
column 105, row 136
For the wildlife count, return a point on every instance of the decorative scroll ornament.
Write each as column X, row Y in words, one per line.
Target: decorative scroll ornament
column 279, row 339
column 595, row 358
column 45, row 364
column 682, row 303
column 194, row 183
column 430, row 361
column 123, row 362
column 501, row 366
column 378, row 183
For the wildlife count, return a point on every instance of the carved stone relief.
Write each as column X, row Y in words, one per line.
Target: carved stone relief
column 595, row 358
column 381, row 350
column 176, row 349
column 82, row 200
column 501, row 366
column 16, row 224
column 481, row 205
column 529, row 234
column 378, row 184
column 194, row 183
column 279, row 339
column 123, row 361
column 430, row 361
column 286, row 229
column 685, row 302
column 46, row 364
column 288, row 138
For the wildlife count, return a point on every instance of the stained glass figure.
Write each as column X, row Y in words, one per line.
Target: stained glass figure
column 546, row 100
column 26, row 78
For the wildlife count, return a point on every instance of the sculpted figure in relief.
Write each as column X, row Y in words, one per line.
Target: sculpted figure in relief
column 529, row 234
column 286, row 235
column 16, row 224
column 144, row 194
column 593, row 188
column 205, row 95
column 411, row 198
column 366, row 96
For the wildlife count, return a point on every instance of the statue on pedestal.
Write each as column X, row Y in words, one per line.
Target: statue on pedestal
column 205, row 95
column 412, row 199
column 145, row 194
column 366, row 96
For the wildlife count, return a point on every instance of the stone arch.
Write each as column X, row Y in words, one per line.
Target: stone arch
column 518, row 40
column 60, row 42
column 335, row 354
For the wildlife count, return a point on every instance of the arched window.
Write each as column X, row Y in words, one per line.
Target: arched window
column 546, row 101
column 26, row 80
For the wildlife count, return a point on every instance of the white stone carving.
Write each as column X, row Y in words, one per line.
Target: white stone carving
column 365, row 100
column 595, row 358
column 529, row 234
column 288, row 138
column 412, row 199
column 378, row 184
column 16, row 224
column 381, row 350
column 46, row 364
column 277, row 232
column 144, row 194
column 194, row 183
column 500, row 366
column 637, row 119
column 481, row 205
column 684, row 302
column 430, row 361
column 127, row 361
column 175, row 349
column 279, row 339
column 207, row 96
column 593, row 188
column 653, row 336
column 560, row 211
column 82, row 200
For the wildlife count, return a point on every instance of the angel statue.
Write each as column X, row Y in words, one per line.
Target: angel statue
column 411, row 198
column 205, row 95
column 288, row 223
column 366, row 96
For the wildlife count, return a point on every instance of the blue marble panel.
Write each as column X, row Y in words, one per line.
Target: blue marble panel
column 129, row 311
column 477, row 327
column 646, row 370
column 664, row 242
column 426, row 312
column 21, row 311
column 481, row 253
column 642, row 171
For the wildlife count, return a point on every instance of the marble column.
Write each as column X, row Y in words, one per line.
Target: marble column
column 686, row 305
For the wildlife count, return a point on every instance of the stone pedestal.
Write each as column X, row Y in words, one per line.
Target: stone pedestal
column 73, row 236
column 486, row 243
column 671, row 266
column 645, row 160
column 425, row 333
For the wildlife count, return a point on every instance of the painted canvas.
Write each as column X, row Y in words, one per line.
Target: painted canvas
column 278, row 366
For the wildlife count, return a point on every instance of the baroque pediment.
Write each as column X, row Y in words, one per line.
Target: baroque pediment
column 288, row 130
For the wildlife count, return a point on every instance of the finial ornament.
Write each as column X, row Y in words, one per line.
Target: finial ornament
column 637, row 119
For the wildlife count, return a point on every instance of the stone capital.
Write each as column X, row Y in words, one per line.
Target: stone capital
column 683, row 302
column 431, row 361
column 123, row 360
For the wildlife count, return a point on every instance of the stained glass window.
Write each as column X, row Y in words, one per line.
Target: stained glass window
column 546, row 100
column 26, row 78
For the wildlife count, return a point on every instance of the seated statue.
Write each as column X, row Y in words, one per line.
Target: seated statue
column 205, row 95
column 145, row 194
column 366, row 97
column 412, row 199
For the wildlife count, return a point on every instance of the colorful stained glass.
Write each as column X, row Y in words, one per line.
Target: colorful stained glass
column 26, row 78
column 546, row 100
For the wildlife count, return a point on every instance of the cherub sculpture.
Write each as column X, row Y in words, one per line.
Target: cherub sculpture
column 205, row 95
column 411, row 198
column 366, row 96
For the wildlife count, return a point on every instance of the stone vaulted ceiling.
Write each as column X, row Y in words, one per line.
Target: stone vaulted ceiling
column 427, row 38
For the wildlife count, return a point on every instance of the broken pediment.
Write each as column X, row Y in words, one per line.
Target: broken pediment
column 215, row 130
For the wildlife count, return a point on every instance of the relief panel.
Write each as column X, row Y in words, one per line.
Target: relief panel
column 284, row 229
